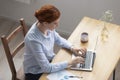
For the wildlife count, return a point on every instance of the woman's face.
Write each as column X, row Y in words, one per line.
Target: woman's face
column 53, row 25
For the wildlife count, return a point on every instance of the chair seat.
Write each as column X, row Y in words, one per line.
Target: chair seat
column 20, row 73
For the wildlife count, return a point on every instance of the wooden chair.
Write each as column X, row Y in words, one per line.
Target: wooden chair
column 11, row 54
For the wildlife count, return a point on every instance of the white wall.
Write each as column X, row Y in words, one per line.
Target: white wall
column 72, row 10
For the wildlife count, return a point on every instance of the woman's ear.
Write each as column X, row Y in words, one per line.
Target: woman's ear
column 45, row 23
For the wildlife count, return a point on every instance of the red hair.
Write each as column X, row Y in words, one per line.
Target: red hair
column 47, row 13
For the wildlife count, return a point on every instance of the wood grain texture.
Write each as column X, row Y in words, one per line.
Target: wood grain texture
column 107, row 53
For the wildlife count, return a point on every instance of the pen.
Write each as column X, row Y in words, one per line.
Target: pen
column 74, row 77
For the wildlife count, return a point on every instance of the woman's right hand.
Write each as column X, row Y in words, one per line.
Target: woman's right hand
column 75, row 61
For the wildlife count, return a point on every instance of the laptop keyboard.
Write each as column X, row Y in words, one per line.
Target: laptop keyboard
column 88, row 60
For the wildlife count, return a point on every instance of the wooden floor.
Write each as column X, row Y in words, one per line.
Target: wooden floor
column 6, row 26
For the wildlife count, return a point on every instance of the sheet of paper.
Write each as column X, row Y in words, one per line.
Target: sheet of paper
column 61, row 75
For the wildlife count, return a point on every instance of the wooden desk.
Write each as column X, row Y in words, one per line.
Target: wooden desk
column 107, row 53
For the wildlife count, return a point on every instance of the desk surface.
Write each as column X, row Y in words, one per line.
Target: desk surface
column 107, row 52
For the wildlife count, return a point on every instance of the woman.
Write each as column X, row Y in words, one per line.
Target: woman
column 39, row 44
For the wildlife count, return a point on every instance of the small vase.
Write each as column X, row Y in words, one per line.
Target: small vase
column 104, row 33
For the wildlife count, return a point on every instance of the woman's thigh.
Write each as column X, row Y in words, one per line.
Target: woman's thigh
column 30, row 76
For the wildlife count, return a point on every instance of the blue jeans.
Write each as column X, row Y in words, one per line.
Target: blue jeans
column 30, row 76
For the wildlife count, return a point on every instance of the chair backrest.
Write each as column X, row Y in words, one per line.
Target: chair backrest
column 10, row 54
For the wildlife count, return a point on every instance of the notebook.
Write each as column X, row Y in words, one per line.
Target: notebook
column 89, row 62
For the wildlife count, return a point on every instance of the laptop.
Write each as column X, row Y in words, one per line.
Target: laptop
column 89, row 60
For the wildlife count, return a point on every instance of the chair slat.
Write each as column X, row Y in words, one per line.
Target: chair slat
column 18, row 48
column 14, row 33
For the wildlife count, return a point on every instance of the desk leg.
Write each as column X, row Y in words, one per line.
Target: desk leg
column 114, row 74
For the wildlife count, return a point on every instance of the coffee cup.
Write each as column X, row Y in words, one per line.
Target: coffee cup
column 84, row 37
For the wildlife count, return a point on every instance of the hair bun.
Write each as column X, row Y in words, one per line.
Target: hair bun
column 47, row 13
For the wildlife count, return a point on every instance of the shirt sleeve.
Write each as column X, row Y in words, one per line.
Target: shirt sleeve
column 62, row 41
column 42, row 60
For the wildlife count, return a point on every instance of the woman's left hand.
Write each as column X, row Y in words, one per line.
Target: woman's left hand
column 79, row 51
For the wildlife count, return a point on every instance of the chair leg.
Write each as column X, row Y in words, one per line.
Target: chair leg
column 114, row 74
column 14, row 78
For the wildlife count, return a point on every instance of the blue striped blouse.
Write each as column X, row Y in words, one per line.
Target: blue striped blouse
column 39, row 50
